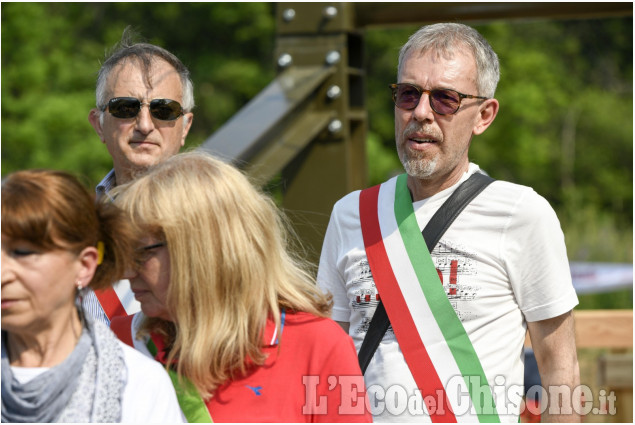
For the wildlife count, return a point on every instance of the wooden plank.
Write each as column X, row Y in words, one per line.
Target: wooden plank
column 601, row 329
column 615, row 370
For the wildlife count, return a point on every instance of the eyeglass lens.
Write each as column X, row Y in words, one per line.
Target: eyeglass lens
column 144, row 253
column 129, row 107
column 442, row 101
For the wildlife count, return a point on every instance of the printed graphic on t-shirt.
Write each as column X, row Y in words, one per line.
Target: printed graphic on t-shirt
column 457, row 270
column 365, row 296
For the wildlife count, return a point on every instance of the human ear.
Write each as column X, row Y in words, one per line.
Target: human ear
column 94, row 119
column 487, row 112
column 187, row 123
column 87, row 262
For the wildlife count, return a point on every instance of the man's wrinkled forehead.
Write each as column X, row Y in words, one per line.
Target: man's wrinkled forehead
column 152, row 72
column 437, row 53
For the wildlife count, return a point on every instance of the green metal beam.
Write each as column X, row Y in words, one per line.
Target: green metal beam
column 258, row 129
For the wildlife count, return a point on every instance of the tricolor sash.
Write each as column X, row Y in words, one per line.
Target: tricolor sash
column 191, row 402
column 192, row 405
column 434, row 343
column 117, row 300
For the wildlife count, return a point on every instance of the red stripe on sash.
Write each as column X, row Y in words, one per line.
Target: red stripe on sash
column 412, row 347
column 110, row 303
column 122, row 327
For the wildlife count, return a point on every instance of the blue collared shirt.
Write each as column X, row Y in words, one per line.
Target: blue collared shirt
column 90, row 303
column 106, row 184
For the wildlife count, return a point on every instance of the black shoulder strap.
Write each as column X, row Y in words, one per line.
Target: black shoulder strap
column 433, row 231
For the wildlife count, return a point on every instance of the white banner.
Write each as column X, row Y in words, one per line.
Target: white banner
column 601, row 277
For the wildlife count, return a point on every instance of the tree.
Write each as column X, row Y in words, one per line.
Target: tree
column 51, row 53
column 565, row 125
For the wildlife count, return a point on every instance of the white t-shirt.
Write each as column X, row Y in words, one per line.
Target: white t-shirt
column 507, row 255
column 148, row 396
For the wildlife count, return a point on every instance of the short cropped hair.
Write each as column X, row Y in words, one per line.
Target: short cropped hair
column 447, row 38
column 145, row 54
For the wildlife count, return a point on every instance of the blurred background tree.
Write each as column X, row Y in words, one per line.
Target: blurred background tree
column 565, row 126
column 51, row 53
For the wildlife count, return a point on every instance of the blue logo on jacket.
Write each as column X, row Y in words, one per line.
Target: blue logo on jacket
column 256, row 390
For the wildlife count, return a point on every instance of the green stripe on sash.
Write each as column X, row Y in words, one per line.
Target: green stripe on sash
column 191, row 403
column 447, row 320
column 189, row 399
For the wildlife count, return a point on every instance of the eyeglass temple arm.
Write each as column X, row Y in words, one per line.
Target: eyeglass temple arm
column 471, row 96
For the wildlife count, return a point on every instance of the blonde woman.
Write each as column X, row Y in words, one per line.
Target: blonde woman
column 238, row 319
column 58, row 365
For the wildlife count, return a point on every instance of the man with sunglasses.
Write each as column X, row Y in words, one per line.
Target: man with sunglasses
column 143, row 115
column 458, row 314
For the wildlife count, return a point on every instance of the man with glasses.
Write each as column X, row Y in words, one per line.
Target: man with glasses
column 459, row 310
column 143, row 115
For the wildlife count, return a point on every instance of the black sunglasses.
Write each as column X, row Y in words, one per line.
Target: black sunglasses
column 129, row 107
column 442, row 101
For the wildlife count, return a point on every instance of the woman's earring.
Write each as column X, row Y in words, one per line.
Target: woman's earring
column 79, row 300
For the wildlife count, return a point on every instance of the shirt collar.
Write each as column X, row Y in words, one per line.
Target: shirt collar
column 271, row 336
column 106, row 184
column 157, row 346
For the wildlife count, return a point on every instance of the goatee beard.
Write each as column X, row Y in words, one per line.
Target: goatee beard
column 415, row 163
column 418, row 167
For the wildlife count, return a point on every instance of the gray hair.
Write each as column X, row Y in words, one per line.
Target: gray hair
column 144, row 53
column 445, row 38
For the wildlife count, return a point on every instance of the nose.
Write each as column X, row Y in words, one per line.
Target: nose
column 145, row 124
column 7, row 273
column 423, row 111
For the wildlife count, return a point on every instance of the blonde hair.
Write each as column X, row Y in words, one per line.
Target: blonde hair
column 231, row 266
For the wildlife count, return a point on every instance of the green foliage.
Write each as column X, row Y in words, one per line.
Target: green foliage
column 608, row 300
column 594, row 235
column 562, row 126
column 381, row 162
column 565, row 126
column 51, row 53
column 45, row 102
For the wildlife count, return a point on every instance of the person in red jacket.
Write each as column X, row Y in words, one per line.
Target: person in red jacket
column 237, row 318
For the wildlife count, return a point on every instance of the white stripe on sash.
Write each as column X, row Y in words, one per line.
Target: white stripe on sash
column 126, row 296
column 426, row 325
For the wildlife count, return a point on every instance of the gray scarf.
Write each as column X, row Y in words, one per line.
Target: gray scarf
column 86, row 387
